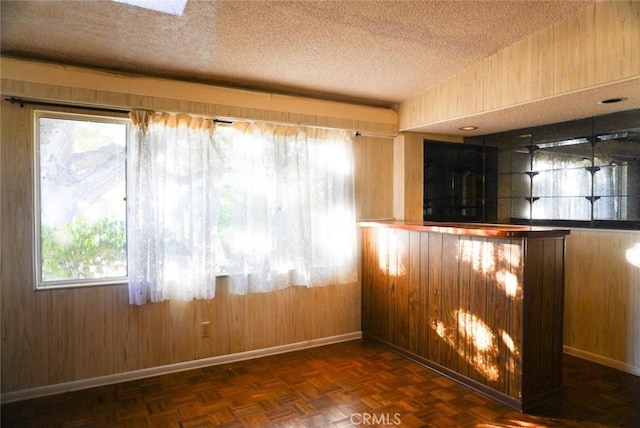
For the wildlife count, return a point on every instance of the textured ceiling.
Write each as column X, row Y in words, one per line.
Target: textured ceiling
column 369, row 52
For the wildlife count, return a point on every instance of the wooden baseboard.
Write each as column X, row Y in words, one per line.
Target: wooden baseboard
column 60, row 388
column 609, row 362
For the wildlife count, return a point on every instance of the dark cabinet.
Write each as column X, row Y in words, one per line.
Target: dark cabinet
column 460, row 182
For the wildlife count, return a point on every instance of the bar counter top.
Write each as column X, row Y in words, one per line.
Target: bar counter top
column 473, row 229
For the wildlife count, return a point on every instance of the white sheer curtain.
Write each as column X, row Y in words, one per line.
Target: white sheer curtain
column 174, row 175
column 291, row 204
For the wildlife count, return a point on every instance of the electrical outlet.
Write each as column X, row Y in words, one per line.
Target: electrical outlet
column 205, row 329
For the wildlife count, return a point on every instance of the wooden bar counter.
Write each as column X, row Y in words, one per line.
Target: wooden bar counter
column 479, row 303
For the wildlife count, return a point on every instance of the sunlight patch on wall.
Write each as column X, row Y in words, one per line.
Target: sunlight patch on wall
column 485, row 257
column 479, row 254
column 509, row 282
column 472, row 327
column 483, row 353
column 508, row 341
column 390, row 255
column 478, row 344
column 633, row 255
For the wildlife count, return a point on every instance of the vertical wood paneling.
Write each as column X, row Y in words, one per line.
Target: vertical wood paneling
column 574, row 49
column 545, row 323
column 214, row 312
column 399, row 144
column 514, row 363
column 517, row 77
column 451, row 86
column 59, row 335
column 436, row 327
column 380, row 284
column 301, row 309
column 471, row 84
column 414, row 291
column 411, row 112
column 373, row 177
column 414, row 176
column 389, row 287
column 542, row 59
column 464, row 296
column 532, row 312
column 557, row 246
column 585, row 292
column 401, row 304
column 498, row 313
column 448, row 90
column 335, row 309
column 236, row 323
column 25, row 314
column 92, row 331
column 633, row 300
column 425, row 296
column 167, row 333
column 602, row 298
column 449, row 300
column 368, row 273
column 259, row 307
column 492, row 69
column 477, row 304
column 543, row 271
column 125, row 327
column 617, row 40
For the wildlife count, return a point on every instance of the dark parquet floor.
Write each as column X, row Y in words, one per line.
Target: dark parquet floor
column 343, row 385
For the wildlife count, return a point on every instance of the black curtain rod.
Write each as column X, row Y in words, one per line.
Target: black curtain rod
column 22, row 102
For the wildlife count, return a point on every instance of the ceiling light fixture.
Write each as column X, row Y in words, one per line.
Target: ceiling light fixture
column 172, row 7
column 468, row 128
column 612, row 100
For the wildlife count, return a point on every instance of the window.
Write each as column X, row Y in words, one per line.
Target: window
column 184, row 201
column 80, row 199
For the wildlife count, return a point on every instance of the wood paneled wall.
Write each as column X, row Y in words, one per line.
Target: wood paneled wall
column 602, row 302
column 374, row 160
column 597, row 46
column 56, row 336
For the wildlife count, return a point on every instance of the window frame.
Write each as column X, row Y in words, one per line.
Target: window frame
column 69, row 114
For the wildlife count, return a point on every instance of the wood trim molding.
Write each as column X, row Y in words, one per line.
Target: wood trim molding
column 172, row 368
column 609, row 362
